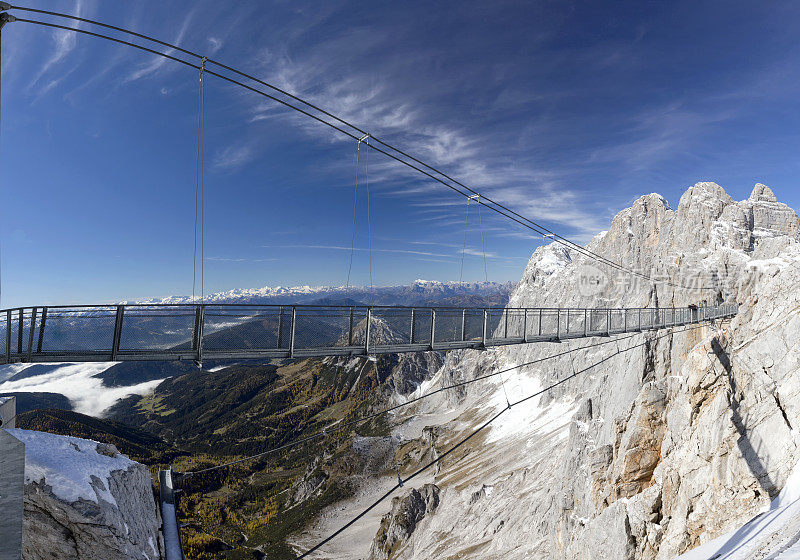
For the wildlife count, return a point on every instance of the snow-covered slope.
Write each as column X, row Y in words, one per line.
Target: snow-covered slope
column 83, row 499
column 773, row 533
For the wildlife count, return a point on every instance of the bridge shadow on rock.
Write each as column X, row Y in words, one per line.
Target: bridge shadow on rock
column 749, row 452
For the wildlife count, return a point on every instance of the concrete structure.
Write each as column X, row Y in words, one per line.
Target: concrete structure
column 8, row 412
column 12, row 481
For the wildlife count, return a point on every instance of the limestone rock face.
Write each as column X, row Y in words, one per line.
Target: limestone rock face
column 84, row 500
column 664, row 440
column 406, row 513
column 402, row 373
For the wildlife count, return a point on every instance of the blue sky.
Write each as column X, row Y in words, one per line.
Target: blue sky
column 565, row 111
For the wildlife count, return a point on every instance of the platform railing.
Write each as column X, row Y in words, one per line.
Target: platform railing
column 233, row 331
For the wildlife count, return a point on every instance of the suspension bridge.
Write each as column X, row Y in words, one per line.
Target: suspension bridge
column 202, row 331
column 234, row 331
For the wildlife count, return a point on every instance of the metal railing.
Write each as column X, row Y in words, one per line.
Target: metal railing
column 232, row 331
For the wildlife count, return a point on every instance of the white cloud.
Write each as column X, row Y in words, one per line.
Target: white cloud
column 215, row 43
column 78, row 383
column 233, row 157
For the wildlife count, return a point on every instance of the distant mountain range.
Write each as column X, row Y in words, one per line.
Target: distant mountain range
column 421, row 292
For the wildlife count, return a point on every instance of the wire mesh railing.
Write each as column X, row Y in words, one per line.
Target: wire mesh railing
column 197, row 331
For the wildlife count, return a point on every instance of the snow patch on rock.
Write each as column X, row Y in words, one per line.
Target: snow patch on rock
column 74, row 468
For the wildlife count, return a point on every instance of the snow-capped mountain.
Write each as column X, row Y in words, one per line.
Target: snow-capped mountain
column 421, row 292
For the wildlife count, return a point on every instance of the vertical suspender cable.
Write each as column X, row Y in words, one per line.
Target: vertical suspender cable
column 483, row 246
column 4, row 18
column 355, row 201
column 202, row 182
column 199, row 217
column 2, row 22
column 464, row 248
column 369, row 221
column 197, row 185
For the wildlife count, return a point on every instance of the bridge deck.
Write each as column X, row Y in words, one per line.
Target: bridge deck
column 230, row 331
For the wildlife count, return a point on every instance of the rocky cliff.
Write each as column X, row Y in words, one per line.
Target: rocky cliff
column 675, row 438
column 84, row 500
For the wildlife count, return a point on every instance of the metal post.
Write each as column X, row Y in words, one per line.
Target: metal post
column 463, row 325
column 196, row 328
column 433, row 326
column 368, row 330
column 525, row 325
column 640, row 319
column 567, row 320
column 21, row 319
column 483, row 331
column 505, row 326
column 413, row 317
column 608, row 322
column 31, row 333
column 280, row 328
column 625, row 320
column 41, row 330
column 291, row 336
column 540, row 322
column 201, row 321
column 350, row 335
column 118, row 333
column 585, row 321
column 8, row 336
column 558, row 323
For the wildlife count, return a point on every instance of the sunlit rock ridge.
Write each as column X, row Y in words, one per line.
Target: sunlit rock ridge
column 656, row 450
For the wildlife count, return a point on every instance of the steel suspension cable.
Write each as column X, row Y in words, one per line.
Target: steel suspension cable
column 440, row 177
column 493, row 206
column 401, row 482
column 343, row 425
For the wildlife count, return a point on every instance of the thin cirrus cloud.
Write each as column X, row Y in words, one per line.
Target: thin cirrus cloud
column 65, row 42
column 456, row 254
column 238, row 259
column 234, row 157
column 159, row 62
column 361, row 249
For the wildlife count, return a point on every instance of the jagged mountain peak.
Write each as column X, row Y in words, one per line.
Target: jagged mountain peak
column 657, row 449
column 762, row 193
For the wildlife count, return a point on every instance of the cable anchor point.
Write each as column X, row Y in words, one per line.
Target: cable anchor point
column 5, row 6
column 4, row 17
column 364, row 138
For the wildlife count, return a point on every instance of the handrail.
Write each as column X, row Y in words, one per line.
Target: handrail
column 240, row 331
